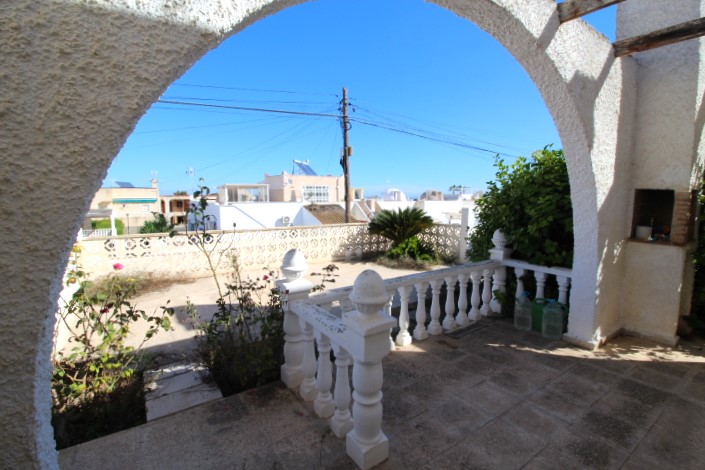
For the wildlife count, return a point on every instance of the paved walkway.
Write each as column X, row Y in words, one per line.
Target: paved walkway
column 494, row 398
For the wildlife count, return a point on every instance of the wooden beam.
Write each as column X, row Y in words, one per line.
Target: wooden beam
column 572, row 9
column 662, row 37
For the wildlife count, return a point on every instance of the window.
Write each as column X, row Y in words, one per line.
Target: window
column 316, row 193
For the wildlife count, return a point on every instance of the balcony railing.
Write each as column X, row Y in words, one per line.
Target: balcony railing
column 355, row 323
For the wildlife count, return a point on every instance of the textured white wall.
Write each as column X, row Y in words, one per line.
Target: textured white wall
column 77, row 76
column 668, row 147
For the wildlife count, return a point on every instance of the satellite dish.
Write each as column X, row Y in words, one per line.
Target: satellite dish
column 286, row 220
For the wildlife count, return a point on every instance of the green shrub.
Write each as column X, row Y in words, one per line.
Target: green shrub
column 105, row 223
column 530, row 202
column 400, row 225
column 96, row 383
column 412, row 248
column 158, row 225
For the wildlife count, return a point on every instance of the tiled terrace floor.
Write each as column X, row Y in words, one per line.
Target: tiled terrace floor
column 495, row 398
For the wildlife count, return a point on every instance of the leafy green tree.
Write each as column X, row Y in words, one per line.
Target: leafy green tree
column 530, row 202
column 180, row 193
column 158, row 225
column 400, row 225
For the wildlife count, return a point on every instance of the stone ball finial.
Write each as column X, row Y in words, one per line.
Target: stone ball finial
column 369, row 294
column 294, row 265
column 499, row 240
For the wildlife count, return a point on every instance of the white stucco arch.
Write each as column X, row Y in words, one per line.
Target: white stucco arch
column 76, row 77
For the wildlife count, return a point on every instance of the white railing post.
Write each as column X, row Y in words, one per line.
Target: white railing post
column 476, row 278
column 449, row 320
column 540, row 284
column 341, row 422
column 293, row 287
column 434, row 328
column 462, row 317
column 323, row 404
column 308, row 388
column 500, row 252
column 403, row 337
column 420, row 332
column 486, row 291
column 499, row 280
column 366, row 444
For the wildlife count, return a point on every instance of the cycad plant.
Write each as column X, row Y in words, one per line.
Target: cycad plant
column 401, row 227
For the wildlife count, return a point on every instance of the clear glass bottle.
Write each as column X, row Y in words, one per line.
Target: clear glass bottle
column 552, row 322
column 522, row 312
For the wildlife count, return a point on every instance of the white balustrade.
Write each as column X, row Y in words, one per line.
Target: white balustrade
column 361, row 335
column 403, row 337
column 461, row 319
column 434, row 328
column 358, row 334
column 420, row 332
column 449, row 319
column 543, row 276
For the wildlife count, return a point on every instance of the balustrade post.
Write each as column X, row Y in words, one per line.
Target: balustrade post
column 498, row 286
column 563, row 285
column 323, row 404
column 388, row 311
column 540, row 284
column 366, row 444
column 486, row 291
column 449, row 320
column 341, row 422
column 462, row 317
column 403, row 337
column 519, row 273
column 293, row 287
column 434, row 328
column 420, row 332
column 308, row 389
column 476, row 278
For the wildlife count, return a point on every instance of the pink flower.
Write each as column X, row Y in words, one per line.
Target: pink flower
column 118, row 266
column 265, row 277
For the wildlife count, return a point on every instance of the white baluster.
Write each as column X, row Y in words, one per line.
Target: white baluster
column 486, row 292
column 293, row 287
column 388, row 311
column 341, row 422
column 366, row 444
column 292, row 370
column 540, row 284
column 404, row 338
column 519, row 272
column 449, row 320
column 462, row 317
column 563, row 285
column 323, row 404
column 308, row 388
column 476, row 278
column 499, row 281
column 434, row 328
column 420, row 332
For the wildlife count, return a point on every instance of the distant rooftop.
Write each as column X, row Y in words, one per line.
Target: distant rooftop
column 304, row 168
column 124, row 184
column 329, row 214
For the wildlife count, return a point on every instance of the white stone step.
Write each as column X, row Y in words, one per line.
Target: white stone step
column 175, row 388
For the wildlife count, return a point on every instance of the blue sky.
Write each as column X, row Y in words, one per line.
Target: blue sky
column 408, row 65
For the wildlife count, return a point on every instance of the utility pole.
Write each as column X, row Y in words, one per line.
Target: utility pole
column 345, row 158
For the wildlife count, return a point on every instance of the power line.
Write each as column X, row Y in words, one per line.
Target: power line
column 244, row 108
column 193, row 85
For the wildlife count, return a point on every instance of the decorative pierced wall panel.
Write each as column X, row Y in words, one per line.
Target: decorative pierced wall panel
column 445, row 239
column 253, row 248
